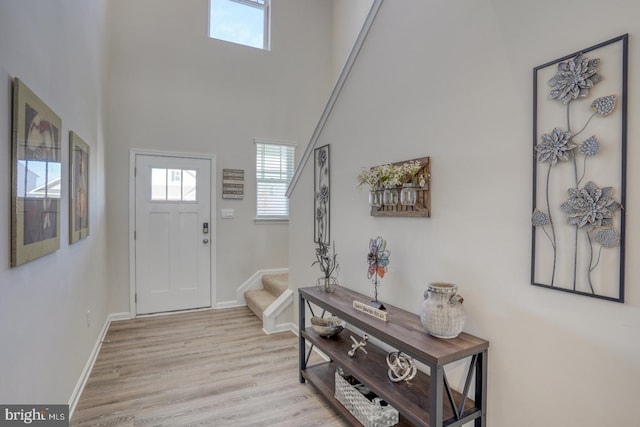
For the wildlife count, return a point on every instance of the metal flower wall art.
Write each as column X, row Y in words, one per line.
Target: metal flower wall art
column 579, row 172
column 321, row 195
column 378, row 260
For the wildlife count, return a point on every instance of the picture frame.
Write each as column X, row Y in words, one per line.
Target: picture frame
column 579, row 171
column 79, row 208
column 322, row 195
column 36, row 177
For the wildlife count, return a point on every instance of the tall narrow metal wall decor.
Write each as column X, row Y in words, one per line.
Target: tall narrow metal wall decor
column 579, row 171
column 322, row 200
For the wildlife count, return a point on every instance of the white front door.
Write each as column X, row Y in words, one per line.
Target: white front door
column 173, row 233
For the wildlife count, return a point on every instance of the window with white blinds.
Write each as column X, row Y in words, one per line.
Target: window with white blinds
column 274, row 169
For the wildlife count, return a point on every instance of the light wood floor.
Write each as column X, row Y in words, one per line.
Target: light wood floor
column 206, row 368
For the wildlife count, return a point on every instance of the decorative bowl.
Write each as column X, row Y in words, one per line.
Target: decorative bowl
column 329, row 327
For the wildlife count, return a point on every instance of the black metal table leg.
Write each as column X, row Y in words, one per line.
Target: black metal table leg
column 435, row 398
column 481, row 388
column 302, row 343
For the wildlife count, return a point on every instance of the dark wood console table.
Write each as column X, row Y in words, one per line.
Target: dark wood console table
column 427, row 400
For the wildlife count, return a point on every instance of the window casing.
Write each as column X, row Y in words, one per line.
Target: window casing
column 245, row 22
column 274, row 169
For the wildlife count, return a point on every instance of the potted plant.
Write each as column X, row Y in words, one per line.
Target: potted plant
column 328, row 265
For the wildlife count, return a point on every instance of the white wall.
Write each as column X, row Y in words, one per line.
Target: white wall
column 172, row 88
column 58, row 50
column 452, row 80
column 348, row 17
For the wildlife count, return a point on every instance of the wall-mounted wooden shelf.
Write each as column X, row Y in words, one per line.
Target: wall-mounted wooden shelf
column 422, row 208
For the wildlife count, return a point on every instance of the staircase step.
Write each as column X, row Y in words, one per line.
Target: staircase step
column 275, row 284
column 258, row 300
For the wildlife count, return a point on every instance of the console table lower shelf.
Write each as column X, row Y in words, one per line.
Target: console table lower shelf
column 426, row 400
column 410, row 398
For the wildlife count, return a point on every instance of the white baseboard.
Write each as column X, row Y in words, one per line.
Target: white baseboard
column 84, row 376
column 282, row 327
column 115, row 317
column 229, row 304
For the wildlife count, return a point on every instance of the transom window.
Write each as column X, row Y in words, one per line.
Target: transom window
column 244, row 22
column 274, row 169
column 173, row 185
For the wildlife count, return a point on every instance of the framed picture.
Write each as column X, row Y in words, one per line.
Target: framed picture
column 36, row 177
column 78, row 188
column 579, row 171
column 322, row 201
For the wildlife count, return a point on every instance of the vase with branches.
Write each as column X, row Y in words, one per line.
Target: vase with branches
column 327, row 260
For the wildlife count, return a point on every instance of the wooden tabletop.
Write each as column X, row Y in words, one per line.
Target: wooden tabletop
column 402, row 330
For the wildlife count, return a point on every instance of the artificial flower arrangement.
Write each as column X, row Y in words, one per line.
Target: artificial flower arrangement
column 378, row 260
column 390, row 176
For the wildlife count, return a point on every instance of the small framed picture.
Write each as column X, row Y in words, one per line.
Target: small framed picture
column 78, row 188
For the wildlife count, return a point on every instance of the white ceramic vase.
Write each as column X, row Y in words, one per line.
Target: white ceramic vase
column 442, row 312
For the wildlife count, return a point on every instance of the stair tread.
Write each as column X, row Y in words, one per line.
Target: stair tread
column 258, row 300
column 275, row 284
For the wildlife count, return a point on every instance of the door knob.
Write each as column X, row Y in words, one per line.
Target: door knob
column 205, row 241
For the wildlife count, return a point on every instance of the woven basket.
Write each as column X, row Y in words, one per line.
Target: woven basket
column 367, row 412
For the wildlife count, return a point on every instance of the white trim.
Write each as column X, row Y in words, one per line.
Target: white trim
column 133, row 152
column 270, row 220
column 270, row 315
column 276, row 307
column 266, row 38
column 116, row 317
column 228, row 304
column 250, row 3
column 84, row 376
column 282, row 327
column 335, row 94
column 169, row 313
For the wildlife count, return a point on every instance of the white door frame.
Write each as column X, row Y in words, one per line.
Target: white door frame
column 132, row 218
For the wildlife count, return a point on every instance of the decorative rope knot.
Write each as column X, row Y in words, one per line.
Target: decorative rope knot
column 401, row 367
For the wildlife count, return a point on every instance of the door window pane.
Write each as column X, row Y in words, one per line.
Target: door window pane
column 158, row 184
column 173, row 185
column 188, row 185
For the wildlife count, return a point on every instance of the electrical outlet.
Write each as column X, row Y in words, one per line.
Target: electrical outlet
column 88, row 318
